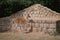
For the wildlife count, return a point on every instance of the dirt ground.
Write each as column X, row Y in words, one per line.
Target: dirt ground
column 27, row 36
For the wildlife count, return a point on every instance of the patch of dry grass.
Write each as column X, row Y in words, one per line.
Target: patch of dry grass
column 29, row 36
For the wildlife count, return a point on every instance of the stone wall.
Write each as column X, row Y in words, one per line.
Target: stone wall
column 5, row 24
column 41, row 26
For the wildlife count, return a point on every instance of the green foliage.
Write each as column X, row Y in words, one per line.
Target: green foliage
column 56, row 5
column 7, row 7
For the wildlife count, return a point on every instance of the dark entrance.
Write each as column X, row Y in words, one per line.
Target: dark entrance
column 58, row 26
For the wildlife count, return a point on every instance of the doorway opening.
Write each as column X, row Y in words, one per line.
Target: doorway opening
column 58, row 26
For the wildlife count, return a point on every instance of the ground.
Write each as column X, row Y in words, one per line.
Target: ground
column 27, row 36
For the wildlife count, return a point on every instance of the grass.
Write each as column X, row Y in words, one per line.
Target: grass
column 30, row 36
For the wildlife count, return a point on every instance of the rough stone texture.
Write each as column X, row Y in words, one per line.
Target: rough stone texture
column 35, row 18
column 5, row 24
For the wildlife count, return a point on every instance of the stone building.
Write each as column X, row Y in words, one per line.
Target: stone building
column 35, row 18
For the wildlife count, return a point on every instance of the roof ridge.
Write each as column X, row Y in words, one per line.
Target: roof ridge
column 39, row 8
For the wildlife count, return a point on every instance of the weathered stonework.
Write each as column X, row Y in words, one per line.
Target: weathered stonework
column 36, row 18
column 5, row 24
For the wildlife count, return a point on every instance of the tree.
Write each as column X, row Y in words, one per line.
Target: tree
column 8, row 7
column 56, row 5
